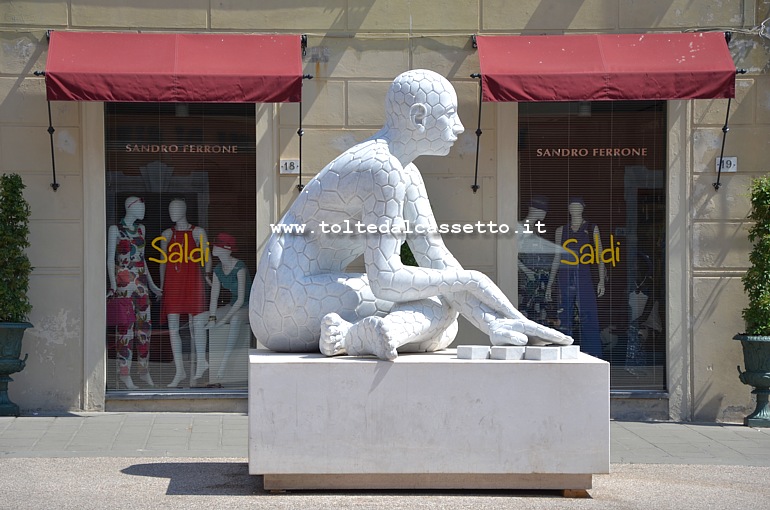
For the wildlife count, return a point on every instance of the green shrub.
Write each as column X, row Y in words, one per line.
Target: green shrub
column 756, row 281
column 15, row 267
column 407, row 258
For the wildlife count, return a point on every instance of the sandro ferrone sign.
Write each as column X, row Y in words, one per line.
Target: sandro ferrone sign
column 593, row 152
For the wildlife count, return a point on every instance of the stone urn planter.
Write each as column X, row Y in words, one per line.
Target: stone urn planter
column 756, row 285
column 756, row 358
column 11, row 335
column 15, row 270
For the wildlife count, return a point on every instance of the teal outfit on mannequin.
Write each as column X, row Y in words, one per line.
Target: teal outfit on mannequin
column 230, row 281
column 233, row 275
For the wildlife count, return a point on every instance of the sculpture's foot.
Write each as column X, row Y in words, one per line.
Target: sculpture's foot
column 372, row 335
column 147, row 379
column 506, row 332
column 180, row 375
column 334, row 329
column 548, row 335
column 524, row 331
column 128, row 382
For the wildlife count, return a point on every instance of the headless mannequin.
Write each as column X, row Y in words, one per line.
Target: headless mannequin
column 575, row 280
column 177, row 211
column 235, row 313
column 133, row 287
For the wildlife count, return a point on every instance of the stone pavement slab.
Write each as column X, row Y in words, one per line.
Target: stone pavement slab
column 125, row 435
column 226, row 435
column 689, row 443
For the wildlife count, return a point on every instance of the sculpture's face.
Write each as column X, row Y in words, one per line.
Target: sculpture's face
column 446, row 125
column 425, row 104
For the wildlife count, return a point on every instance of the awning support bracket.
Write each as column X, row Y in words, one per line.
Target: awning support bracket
column 54, row 184
column 725, row 129
column 51, row 130
column 301, row 132
column 475, row 186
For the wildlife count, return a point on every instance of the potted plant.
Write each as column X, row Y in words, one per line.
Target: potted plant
column 756, row 283
column 15, row 269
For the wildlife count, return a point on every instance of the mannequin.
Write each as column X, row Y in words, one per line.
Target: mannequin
column 186, row 247
column 640, row 307
column 130, row 280
column 575, row 280
column 534, row 261
column 233, row 275
column 637, row 302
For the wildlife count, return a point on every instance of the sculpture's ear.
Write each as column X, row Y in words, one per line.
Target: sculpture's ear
column 417, row 114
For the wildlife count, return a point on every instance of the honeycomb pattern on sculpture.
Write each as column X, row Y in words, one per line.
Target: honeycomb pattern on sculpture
column 302, row 298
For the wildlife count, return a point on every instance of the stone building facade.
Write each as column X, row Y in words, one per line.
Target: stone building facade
column 354, row 49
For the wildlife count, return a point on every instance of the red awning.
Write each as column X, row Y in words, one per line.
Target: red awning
column 606, row 67
column 150, row 67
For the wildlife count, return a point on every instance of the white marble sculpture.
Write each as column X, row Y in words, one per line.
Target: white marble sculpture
column 302, row 300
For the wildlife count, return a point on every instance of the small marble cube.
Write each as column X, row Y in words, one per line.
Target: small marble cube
column 570, row 352
column 472, row 352
column 507, row 352
column 546, row 353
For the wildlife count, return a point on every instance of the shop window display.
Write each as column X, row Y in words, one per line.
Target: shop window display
column 592, row 175
column 181, row 216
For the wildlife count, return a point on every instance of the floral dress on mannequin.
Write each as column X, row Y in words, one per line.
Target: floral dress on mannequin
column 133, row 289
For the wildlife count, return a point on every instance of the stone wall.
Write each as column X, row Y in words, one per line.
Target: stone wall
column 354, row 49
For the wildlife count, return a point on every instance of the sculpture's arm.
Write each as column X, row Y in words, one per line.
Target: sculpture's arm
column 429, row 250
column 389, row 278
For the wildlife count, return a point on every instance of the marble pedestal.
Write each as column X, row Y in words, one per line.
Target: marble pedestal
column 427, row 421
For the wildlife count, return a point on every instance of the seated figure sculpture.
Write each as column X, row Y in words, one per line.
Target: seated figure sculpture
column 370, row 200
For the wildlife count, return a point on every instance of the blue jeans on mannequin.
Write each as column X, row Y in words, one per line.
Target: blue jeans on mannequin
column 576, row 287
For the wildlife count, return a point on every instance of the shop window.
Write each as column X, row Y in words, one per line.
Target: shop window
column 592, row 187
column 181, row 216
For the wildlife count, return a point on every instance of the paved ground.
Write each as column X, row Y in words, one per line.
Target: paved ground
column 174, row 460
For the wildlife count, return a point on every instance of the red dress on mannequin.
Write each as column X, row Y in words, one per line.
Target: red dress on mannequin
column 183, row 286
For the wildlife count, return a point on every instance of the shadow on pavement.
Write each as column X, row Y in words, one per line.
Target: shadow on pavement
column 202, row 478
column 233, row 479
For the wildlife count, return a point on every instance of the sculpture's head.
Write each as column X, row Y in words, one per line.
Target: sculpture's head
column 424, row 104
